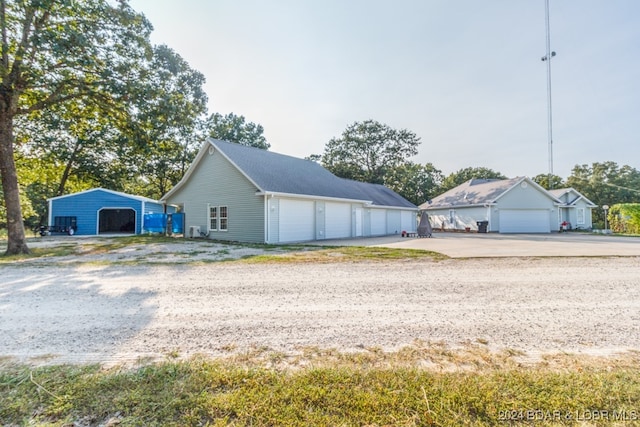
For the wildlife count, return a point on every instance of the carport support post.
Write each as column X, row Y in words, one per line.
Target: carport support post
column 606, row 209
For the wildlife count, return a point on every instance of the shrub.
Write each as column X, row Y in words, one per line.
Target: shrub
column 625, row 218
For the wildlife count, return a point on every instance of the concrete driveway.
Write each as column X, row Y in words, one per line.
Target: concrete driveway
column 473, row 245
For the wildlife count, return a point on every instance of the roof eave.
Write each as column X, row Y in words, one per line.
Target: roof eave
column 309, row 196
column 471, row 205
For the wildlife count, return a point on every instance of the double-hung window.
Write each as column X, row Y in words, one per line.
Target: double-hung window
column 224, row 219
column 218, row 218
column 580, row 215
column 213, row 218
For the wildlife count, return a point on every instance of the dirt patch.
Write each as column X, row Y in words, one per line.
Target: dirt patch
column 159, row 251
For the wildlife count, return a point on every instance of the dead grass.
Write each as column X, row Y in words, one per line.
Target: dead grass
column 423, row 384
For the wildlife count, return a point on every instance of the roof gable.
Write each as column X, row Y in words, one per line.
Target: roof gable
column 104, row 190
column 573, row 196
column 480, row 192
column 277, row 173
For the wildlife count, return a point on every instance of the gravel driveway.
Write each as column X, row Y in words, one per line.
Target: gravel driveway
column 114, row 314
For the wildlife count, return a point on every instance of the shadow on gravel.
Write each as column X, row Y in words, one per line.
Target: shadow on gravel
column 45, row 312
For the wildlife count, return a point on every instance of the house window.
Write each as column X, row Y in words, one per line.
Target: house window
column 580, row 213
column 213, row 217
column 452, row 216
column 223, row 218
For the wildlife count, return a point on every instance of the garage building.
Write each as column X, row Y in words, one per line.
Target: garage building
column 246, row 194
column 100, row 211
column 517, row 205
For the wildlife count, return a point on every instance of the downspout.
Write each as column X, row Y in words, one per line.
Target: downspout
column 489, row 218
column 50, row 216
column 141, row 218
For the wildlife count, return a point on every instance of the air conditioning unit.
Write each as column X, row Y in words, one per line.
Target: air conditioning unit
column 194, row 231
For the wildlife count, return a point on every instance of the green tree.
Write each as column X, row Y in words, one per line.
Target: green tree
column 40, row 180
column 233, row 128
column 543, row 180
column 53, row 52
column 367, row 151
column 168, row 126
column 147, row 152
column 464, row 175
column 416, row 183
column 606, row 183
column 625, row 218
column 74, row 138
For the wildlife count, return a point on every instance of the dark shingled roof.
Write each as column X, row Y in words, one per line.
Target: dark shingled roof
column 278, row 173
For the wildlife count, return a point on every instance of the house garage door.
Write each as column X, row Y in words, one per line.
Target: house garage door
column 524, row 221
column 337, row 220
column 378, row 222
column 297, row 220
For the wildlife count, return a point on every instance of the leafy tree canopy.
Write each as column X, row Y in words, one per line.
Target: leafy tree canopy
column 606, row 183
column 233, row 128
column 53, row 52
column 543, row 180
column 464, row 175
column 416, row 183
column 367, row 151
column 167, row 127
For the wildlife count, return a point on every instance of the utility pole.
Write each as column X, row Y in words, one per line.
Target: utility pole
column 547, row 59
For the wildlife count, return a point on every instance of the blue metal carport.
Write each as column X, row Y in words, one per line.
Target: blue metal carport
column 102, row 211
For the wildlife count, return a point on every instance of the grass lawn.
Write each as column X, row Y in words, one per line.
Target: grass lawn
column 463, row 387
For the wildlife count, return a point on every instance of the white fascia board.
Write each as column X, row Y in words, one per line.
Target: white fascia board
column 106, row 190
column 64, row 196
column 234, row 165
column 208, row 144
column 399, row 208
column 307, row 196
column 475, row 205
column 188, row 173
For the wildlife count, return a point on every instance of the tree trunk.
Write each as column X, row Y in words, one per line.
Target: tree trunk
column 67, row 169
column 17, row 242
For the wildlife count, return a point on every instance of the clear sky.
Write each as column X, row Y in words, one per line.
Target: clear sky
column 464, row 75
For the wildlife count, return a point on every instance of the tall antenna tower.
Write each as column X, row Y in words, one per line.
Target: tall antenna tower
column 547, row 59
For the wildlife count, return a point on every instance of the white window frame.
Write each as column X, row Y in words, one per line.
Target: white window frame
column 580, row 216
column 223, row 218
column 213, row 219
column 218, row 217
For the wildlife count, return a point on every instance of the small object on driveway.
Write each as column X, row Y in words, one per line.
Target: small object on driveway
column 424, row 228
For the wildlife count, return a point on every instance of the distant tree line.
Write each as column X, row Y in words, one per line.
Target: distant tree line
column 373, row 152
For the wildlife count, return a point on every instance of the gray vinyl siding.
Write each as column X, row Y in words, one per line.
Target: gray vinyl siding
column 215, row 182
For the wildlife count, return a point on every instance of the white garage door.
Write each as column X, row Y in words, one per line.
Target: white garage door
column 297, row 220
column 409, row 222
column 524, row 221
column 378, row 222
column 337, row 220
